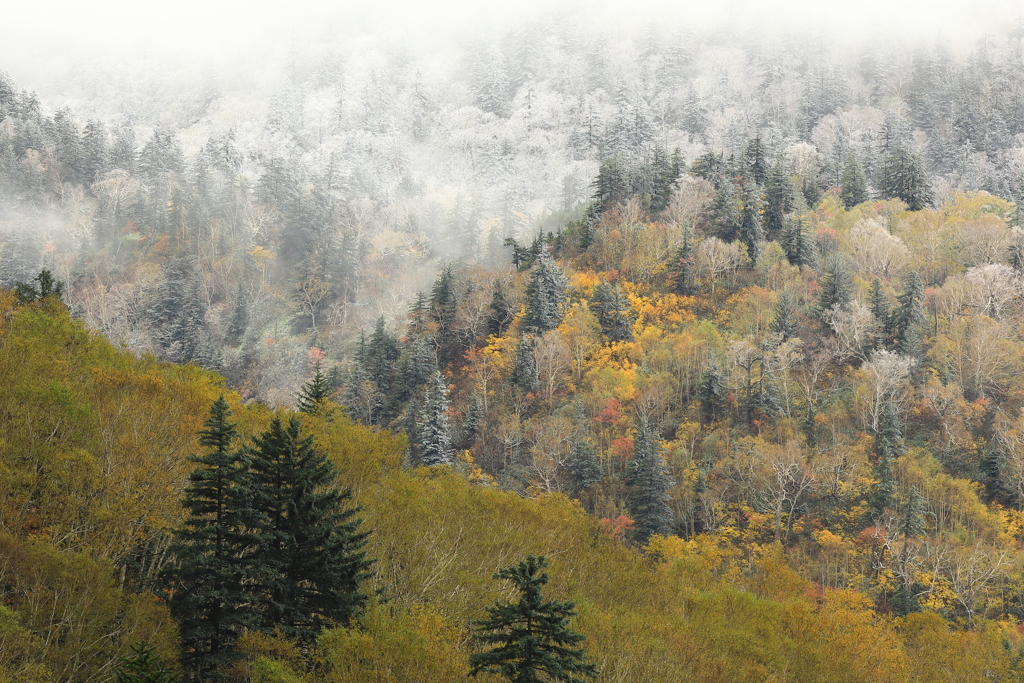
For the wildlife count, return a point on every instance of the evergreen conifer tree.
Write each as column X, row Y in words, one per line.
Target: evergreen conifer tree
column 711, row 393
column 310, row 549
column 682, row 266
column 582, row 466
column 471, row 423
column 784, row 322
column 797, row 244
column 531, row 640
column 524, row 373
column 444, row 302
column 545, row 294
column 648, row 480
column 836, row 285
column 912, row 522
column 315, row 392
column 755, row 160
column 206, row 584
column 614, row 312
column 751, row 232
column 878, row 304
column 778, row 197
column 904, row 176
column 908, row 319
column 48, row 286
column 381, row 356
column 144, row 666
column 853, row 184
column 499, row 313
column 912, row 526
column 433, row 429
column 612, row 183
column 888, row 447
column 360, row 396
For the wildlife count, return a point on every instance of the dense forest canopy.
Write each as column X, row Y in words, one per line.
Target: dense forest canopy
column 319, row 199
column 725, row 325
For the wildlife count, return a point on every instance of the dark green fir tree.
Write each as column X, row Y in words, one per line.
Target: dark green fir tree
column 908, row 320
column 47, row 286
column 888, row 447
column 545, row 294
column 472, row 422
column 316, row 392
column 778, row 199
column 912, row 526
column 582, row 467
column 836, row 285
column 853, row 186
column 524, row 372
column 144, row 666
column 711, row 393
column 784, row 321
column 797, row 243
column 206, row 583
column 648, row 481
column 433, row 427
column 530, row 640
column 613, row 311
column 310, row 547
column 904, row 177
column 681, row 268
column 878, row 304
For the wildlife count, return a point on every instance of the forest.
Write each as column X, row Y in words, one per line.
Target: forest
column 726, row 328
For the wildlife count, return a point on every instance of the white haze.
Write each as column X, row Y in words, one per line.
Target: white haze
column 44, row 42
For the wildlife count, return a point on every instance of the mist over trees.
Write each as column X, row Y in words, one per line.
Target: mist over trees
column 236, row 229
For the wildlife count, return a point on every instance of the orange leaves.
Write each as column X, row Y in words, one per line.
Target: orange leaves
column 616, row 528
column 622, row 448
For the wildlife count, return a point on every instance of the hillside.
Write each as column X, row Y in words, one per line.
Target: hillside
column 94, row 461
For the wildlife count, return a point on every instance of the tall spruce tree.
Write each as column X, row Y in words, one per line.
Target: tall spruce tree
column 681, row 268
column 912, row 526
column 310, row 546
column 836, row 285
column 144, row 666
column 314, row 393
column 444, row 301
column 912, row 519
column 48, row 286
column 432, row 426
column 853, row 185
column 648, row 480
column 797, row 243
column 524, row 372
column 614, row 312
column 888, row 447
column 750, row 230
column 545, row 294
column 878, row 304
column 381, row 356
column 531, row 640
column 582, row 466
column 207, row 582
column 904, row 177
column 778, row 199
column 909, row 319
column 711, row 393
column 470, row 427
column 784, row 321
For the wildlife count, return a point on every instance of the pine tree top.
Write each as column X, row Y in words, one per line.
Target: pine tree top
column 531, row 636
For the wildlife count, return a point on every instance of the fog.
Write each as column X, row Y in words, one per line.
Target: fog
column 150, row 152
column 38, row 40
